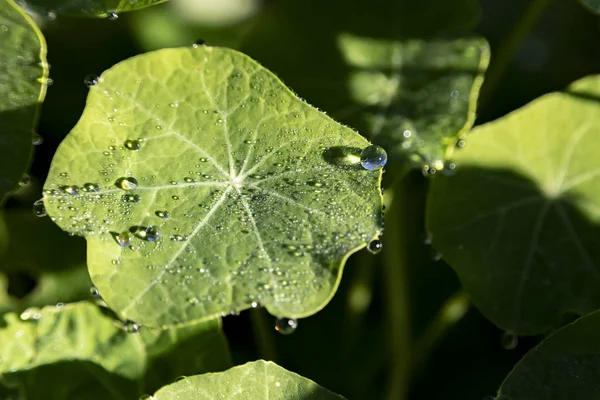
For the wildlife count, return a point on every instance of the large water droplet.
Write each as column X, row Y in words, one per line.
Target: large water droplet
column 162, row 214
column 131, row 327
column 39, row 210
column 90, row 80
column 509, row 340
column 149, row 233
column 128, row 183
column 133, row 144
column 373, row 157
column 375, row 246
column 286, row 326
column 123, row 239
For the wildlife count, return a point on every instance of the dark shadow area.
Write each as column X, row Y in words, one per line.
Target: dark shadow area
column 583, row 95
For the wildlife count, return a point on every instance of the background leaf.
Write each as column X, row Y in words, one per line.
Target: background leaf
column 23, row 74
column 406, row 77
column 104, row 361
column 564, row 366
column 593, row 5
column 87, row 8
column 259, row 379
column 222, row 188
column 518, row 220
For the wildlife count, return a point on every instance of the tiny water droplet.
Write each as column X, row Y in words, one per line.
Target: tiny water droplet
column 123, row 239
column 112, row 16
column 149, row 233
column 91, row 187
column 25, row 180
column 131, row 327
column 131, row 198
column 162, row 214
column 199, row 42
column 461, row 143
column 37, row 139
column 178, row 238
column 39, row 210
column 71, row 189
column 286, row 326
column 254, row 304
column 128, row 183
column 60, row 304
column 375, row 246
column 373, row 158
column 94, row 291
column 509, row 340
column 49, row 81
column 133, row 144
column 90, row 80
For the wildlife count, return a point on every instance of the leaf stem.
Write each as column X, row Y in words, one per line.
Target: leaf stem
column 263, row 334
column 396, row 290
column 508, row 48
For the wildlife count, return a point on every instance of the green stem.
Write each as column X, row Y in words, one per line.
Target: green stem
column 450, row 313
column 396, row 290
column 263, row 334
column 507, row 50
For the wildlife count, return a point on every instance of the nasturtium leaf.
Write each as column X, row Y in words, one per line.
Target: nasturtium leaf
column 403, row 73
column 566, row 365
column 41, row 346
column 23, row 74
column 204, row 186
column 88, row 8
column 519, row 219
column 254, row 380
column 593, row 5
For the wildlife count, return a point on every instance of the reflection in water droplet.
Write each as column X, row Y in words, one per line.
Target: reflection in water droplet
column 133, row 144
column 373, row 158
column 375, row 246
column 131, row 327
column 509, row 340
column 286, row 326
column 39, row 210
column 162, row 214
column 90, row 80
column 128, row 183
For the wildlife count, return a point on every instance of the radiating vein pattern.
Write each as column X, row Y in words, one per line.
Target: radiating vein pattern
column 204, row 186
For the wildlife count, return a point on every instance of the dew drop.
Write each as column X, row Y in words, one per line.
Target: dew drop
column 373, row 158
column 128, row 183
column 178, row 238
column 123, row 239
column 94, row 291
column 509, row 340
column 39, row 210
column 375, row 246
column 25, row 180
column 188, row 180
column 286, row 326
column 71, row 189
column 149, row 233
column 131, row 198
column 37, row 139
column 91, row 187
column 90, row 80
column 112, row 16
column 131, row 327
column 162, row 214
column 133, row 144
column 175, row 197
column 199, row 42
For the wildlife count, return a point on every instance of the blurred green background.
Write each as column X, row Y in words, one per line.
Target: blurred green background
column 344, row 347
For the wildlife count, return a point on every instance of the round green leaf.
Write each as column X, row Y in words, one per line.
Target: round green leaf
column 88, row 8
column 254, row 380
column 23, row 74
column 519, row 219
column 406, row 77
column 566, row 365
column 224, row 189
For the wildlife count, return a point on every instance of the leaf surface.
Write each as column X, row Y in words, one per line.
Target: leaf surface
column 406, row 77
column 223, row 189
column 518, row 220
column 254, row 380
column 23, row 73
column 566, row 365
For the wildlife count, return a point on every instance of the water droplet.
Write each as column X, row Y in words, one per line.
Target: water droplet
column 131, row 198
column 71, row 189
column 133, row 144
column 509, row 340
column 90, row 80
column 37, row 139
column 286, row 326
column 49, row 81
column 149, row 233
column 199, row 42
column 50, row 15
column 112, row 16
column 25, row 180
column 178, row 238
column 162, row 214
column 91, row 187
column 373, row 158
column 39, row 210
column 127, row 183
column 60, row 304
column 175, row 197
column 131, row 327
column 461, row 143
column 123, row 239
column 94, row 291
column 375, row 246
column 188, row 180
column 254, row 304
